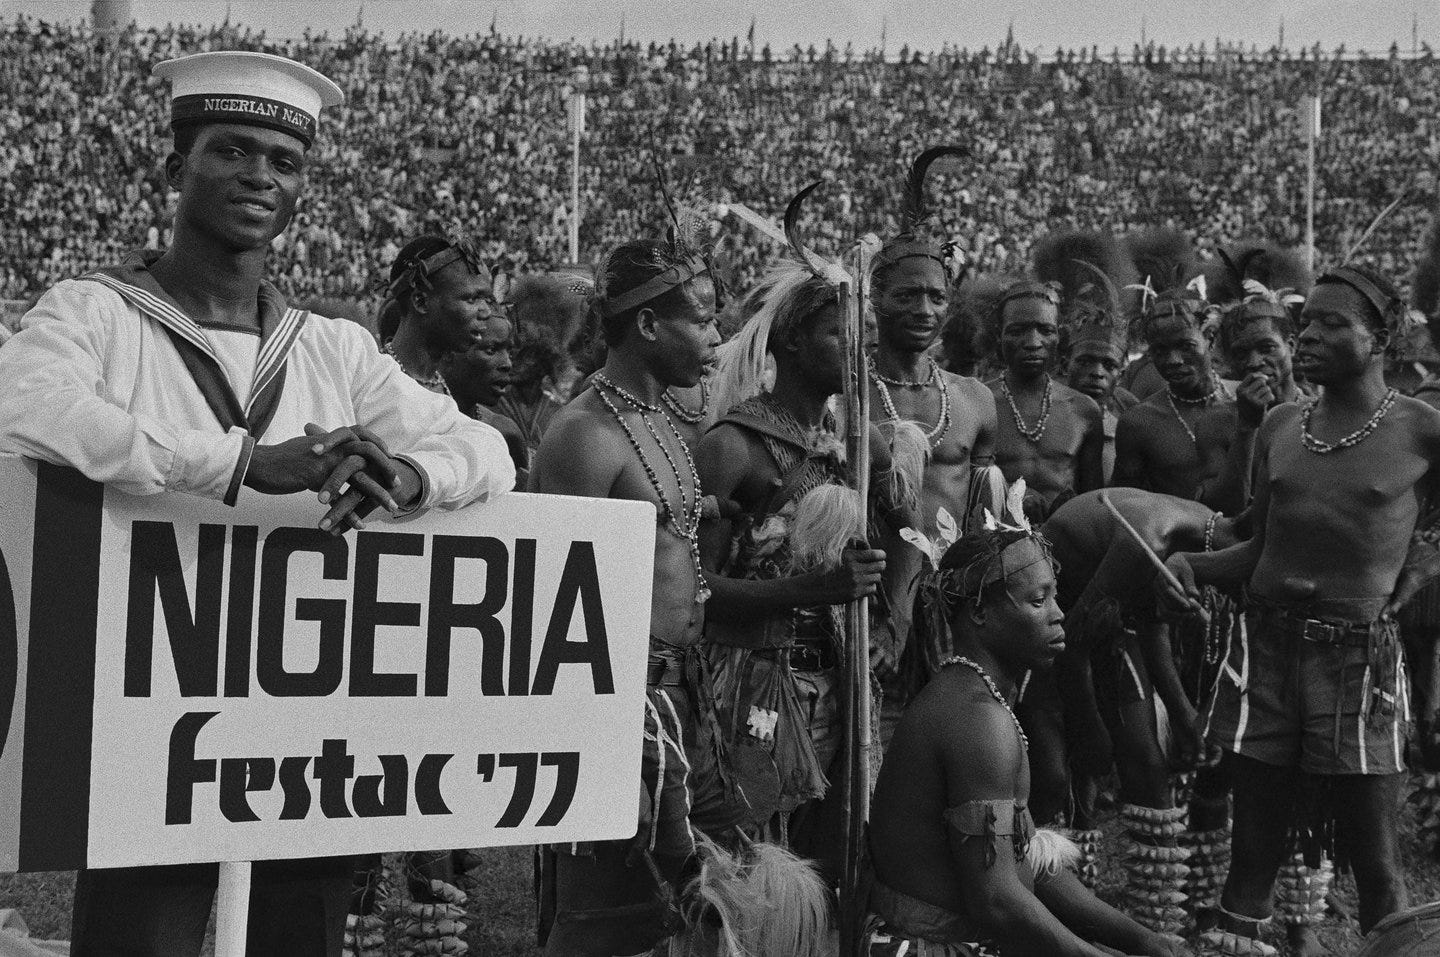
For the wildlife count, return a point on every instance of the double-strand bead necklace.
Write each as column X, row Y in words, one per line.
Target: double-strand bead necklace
column 994, row 692
column 1036, row 432
column 684, row 522
column 882, row 386
column 435, row 382
column 1321, row 447
column 684, row 414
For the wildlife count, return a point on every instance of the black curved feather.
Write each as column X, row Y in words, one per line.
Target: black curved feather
column 792, row 228
column 915, row 183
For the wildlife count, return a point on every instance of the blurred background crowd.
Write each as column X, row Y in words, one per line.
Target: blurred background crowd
column 469, row 134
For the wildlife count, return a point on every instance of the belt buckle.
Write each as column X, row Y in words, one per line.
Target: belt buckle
column 1321, row 632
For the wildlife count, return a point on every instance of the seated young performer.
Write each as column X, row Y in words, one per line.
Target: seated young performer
column 957, row 866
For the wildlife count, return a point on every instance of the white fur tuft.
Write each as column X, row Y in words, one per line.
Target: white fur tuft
column 826, row 519
column 909, row 451
column 768, row 902
column 1051, row 851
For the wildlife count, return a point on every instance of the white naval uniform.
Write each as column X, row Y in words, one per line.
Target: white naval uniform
column 94, row 382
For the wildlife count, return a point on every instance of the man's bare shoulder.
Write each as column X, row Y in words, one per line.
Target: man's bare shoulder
column 1087, row 407
column 582, row 439
column 967, row 386
column 966, row 726
column 1144, row 415
column 1422, row 419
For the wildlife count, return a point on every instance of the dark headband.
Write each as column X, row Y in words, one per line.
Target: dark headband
column 1381, row 302
column 676, row 275
column 460, row 249
column 1028, row 289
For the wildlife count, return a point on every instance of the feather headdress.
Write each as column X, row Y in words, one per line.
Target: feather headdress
column 686, row 236
column 792, row 291
column 995, row 547
column 914, row 239
column 1091, row 268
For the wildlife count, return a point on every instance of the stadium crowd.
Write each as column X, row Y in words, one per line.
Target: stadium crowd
column 447, row 131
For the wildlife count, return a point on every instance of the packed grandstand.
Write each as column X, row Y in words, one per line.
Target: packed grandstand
column 469, row 133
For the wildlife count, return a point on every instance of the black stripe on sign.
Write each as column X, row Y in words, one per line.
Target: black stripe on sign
column 60, row 680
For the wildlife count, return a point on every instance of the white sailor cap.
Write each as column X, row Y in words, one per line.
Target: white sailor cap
column 257, row 89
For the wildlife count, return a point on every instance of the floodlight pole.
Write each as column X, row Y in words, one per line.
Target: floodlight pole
column 577, row 126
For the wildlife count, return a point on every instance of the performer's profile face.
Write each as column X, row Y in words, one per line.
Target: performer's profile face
column 818, row 349
column 1338, row 336
column 685, row 338
column 238, row 183
column 910, row 302
column 486, row 366
column 1023, row 621
column 457, row 306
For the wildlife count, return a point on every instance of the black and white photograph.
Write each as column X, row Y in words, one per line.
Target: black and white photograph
column 523, row 478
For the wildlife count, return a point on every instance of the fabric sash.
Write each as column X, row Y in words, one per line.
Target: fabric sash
column 280, row 328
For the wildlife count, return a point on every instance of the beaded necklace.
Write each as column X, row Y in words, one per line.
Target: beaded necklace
column 1206, row 399
column 1321, row 447
column 882, row 384
column 435, row 382
column 1036, row 432
column 684, row 522
column 684, row 414
column 994, row 692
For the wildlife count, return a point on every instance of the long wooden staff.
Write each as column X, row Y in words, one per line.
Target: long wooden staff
column 856, row 806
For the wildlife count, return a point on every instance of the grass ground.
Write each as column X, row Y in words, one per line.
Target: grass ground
column 505, row 913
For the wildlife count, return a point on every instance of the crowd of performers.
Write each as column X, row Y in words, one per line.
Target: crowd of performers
column 1085, row 572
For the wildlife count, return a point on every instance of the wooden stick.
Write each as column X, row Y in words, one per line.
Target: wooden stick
column 1160, row 566
column 855, row 808
column 232, row 909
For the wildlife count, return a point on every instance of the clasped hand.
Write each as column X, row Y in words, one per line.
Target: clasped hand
column 349, row 467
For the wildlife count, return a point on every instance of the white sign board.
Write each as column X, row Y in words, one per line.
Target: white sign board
column 181, row 681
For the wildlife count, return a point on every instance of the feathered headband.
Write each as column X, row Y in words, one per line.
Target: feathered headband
column 1258, row 301
column 991, row 551
column 691, row 260
column 1093, row 313
column 912, row 243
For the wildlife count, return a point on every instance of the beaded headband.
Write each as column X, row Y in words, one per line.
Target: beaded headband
column 1028, row 289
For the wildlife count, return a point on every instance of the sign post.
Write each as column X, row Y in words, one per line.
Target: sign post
column 182, row 682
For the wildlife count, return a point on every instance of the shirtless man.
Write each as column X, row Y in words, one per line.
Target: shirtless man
column 1318, row 686
column 1052, row 437
column 1092, row 367
column 909, row 295
column 1257, row 337
column 956, row 860
column 774, row 633
column 615, row 440
column 1156, row 446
